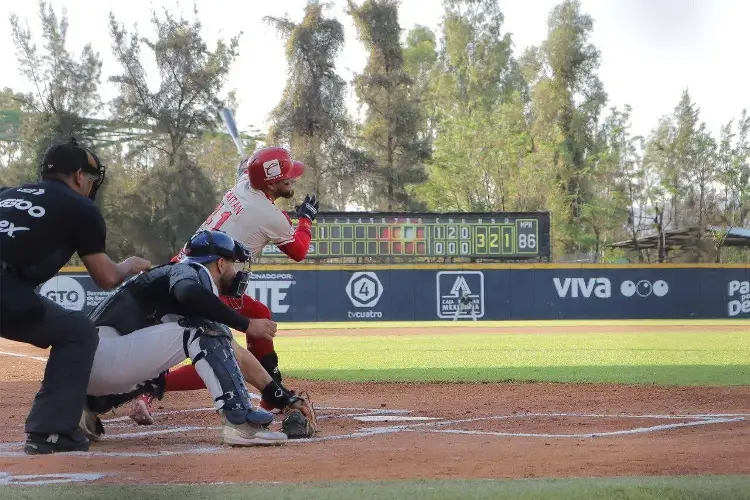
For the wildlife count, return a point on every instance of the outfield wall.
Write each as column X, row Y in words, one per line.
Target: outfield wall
column 498, row 291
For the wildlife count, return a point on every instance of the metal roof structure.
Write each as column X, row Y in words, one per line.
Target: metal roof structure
column 735, row 237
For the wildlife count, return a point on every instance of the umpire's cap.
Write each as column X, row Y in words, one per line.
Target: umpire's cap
column 208, row 246
column 68, row 157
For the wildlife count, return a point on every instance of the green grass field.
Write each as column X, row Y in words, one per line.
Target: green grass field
column 621, row 488
column 717, row 354
column 677, row 359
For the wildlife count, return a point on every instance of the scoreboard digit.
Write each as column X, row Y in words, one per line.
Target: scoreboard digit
column 528, row 234
column 495, row 235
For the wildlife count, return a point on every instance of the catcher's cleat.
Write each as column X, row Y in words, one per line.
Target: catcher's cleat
column 91, row 425
column 141, row 411
column 248, row 434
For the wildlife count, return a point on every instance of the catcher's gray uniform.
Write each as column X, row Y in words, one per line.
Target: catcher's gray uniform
column 144, row 330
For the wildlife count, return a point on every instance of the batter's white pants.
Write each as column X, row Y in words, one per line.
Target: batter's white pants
column 122, row 362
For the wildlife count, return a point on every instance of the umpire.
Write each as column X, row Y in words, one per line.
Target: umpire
column 41, row 226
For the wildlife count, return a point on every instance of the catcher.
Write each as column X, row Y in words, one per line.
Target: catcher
column 247, row 213
column 172, row 313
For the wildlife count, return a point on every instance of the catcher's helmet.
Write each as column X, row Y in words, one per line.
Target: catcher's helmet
column 208, row 246
column 270, row 165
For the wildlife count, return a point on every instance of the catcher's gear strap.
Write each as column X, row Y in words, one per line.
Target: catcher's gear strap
column 103, row 404
column 213, row 357
column 274, row 394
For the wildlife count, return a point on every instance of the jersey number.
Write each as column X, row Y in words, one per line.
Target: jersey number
column 224, row 217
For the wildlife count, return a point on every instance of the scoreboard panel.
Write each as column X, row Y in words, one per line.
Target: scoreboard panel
column 495, row 235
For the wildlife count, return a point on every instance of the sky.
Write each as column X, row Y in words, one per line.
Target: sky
column 651, row 50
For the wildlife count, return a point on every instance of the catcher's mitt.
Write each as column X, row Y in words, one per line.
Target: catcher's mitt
column 299, row 418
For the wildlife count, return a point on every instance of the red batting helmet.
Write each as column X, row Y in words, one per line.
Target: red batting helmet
column 270, row 165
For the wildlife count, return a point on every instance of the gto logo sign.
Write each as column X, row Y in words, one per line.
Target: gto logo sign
column 65, row 292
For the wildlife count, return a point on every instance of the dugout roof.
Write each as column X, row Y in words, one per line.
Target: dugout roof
column 735, row 237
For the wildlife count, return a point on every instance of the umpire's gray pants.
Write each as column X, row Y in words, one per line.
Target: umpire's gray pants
column 59, row 403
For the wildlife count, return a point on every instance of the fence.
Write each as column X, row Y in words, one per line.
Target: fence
column 495, row 291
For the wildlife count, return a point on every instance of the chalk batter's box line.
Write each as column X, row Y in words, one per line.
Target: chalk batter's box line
column 6, row 449
column 430, row 426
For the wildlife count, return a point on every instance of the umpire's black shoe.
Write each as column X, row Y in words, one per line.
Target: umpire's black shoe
column 42, row 444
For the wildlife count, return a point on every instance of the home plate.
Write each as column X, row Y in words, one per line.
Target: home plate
column 391, row 418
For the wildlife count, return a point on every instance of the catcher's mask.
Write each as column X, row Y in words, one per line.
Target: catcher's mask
column 241, row 279
column 208, row 246
column 69, row 157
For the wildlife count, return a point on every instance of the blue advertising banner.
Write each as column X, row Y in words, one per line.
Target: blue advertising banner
column 494, row 292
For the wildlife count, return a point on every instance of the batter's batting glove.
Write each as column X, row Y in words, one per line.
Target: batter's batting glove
column 309, row 208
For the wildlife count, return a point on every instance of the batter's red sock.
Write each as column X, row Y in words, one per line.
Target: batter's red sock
column 184, row 378
column 260, row 348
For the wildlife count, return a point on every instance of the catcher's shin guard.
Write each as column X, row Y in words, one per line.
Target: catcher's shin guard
column 209, row 346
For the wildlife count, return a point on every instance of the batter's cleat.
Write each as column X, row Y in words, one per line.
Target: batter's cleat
column 249, row 434
column 91, row 425
column 141, row 411
column 44, row 444
column 268, row 407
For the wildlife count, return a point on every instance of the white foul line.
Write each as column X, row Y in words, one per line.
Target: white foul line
column 639, row 430
column 15, row 354
column 42, row 479
column 128, row 454
column 170, row 430
column 698, row 419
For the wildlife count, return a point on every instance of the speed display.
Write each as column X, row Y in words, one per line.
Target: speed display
column 496, row 235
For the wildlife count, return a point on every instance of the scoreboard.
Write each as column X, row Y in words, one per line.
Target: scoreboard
column 494, row 235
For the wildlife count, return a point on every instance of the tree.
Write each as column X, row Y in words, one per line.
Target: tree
column 65, row 87
column 609, row 174
column 192, row 78
column 311, row 116
column 13, row 170
column 216, row 155
column 476, row 56
column 567, row 98
column 481, row 131
column 393, row 130
column 172, row 200
column 733, row 170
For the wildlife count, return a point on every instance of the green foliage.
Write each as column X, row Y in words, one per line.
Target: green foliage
column 65, row 89
column 393, row 133
column 176, row 201
column 311, row 117
column 452, row 121
column 191, row 79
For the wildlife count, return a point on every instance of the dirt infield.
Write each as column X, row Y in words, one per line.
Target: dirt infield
column 395, row 431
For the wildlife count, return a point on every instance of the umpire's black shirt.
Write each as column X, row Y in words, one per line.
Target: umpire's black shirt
column 43, row 224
